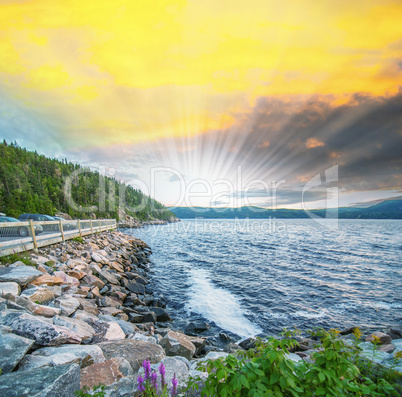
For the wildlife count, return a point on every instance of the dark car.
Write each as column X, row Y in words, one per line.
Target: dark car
column 21, row 231
column 66, row 225
column 40, row 218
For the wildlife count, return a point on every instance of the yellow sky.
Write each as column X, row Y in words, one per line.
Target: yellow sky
column 125, row 71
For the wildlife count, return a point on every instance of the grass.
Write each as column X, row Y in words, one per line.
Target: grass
column 24, row 257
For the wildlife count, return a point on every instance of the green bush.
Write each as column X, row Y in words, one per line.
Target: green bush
column 266, row 371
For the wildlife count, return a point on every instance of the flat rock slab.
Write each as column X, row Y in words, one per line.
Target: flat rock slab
column 12, row 349
column 134, row 351
column 62, row 380
column 83, row 355
column 9, row 288
column 106, row 373
column 68, row 304
column 21, row 275
column 41, row 331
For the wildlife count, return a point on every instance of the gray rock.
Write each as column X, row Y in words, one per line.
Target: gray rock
column 108, row 277
column 38, row 295
column 21, row 275
column 178, row 344
column 12, row 348
column 161, row 314
column 107, row 331
column 125, row 387
column 136, row 288
column 144, row 338
column 81, row 327
column 134, row 351
column 383, row 338
column 127, row 327
column 67, row 303
column 149, row 317
column 85, row 316
column 65, row 354
column 62, row 380
column 197, row 326
column 9, row 288
column 40, row 330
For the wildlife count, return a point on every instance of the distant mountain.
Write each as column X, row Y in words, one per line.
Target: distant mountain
column 387, row 209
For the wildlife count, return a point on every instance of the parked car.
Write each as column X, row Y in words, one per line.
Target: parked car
column 66, row 225
column 21, row 231
column 40, row 218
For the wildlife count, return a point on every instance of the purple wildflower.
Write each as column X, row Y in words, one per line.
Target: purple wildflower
column 140, row 381
column 174, row 383
column 162, row 371
column 147, row 368
column 154, row 380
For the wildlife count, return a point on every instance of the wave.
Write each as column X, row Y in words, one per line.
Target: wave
column 218, row 305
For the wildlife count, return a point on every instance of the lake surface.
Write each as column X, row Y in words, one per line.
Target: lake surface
column 253, row 277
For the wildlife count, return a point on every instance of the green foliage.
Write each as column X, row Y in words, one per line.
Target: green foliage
column 23, row 257
column 78, row 240
column 266, row 371
column 97, row 391
column 32, row 183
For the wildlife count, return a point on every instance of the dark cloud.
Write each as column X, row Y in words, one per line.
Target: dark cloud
column 363, row 136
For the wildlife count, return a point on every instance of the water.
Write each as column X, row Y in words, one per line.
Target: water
column 252, row 277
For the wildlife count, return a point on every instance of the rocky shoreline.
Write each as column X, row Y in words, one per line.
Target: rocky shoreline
column 84, row 314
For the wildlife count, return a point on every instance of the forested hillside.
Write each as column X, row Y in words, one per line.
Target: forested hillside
column 33, row 183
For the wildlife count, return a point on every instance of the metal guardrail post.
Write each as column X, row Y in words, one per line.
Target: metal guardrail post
column 61, row 230
column 31, row 225
column 92, row 230
column 79, row 227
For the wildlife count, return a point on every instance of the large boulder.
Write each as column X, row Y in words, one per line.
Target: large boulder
column 38, row 294
column 178, row 344
column 196, row 327
column 47, row 279
column 161, row 314
column 106, row 373
column 136, row 288
column 79, row 326
column 21, row 275
column 62, row 380
column 34, row 308
column 107, row 331
column 65, row 354
column 107, row 277
column 127, row 327
column 44, row 333
column 9, row 288
column 134, row 351
column 381, row 337
column 67, row 279
column 12, row 348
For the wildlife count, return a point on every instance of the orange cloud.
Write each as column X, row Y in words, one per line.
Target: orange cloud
column 313, row 142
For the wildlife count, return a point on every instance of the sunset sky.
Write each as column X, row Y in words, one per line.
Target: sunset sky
column 236, row 93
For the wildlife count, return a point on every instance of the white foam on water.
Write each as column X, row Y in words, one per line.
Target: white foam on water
column 311, row 314
column 218, row 305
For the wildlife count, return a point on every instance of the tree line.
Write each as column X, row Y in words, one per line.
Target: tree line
column 33, row 183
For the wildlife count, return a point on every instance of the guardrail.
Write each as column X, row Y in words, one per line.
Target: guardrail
column 24, row 236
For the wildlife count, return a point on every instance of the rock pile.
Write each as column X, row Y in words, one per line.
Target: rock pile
column 84, row 315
